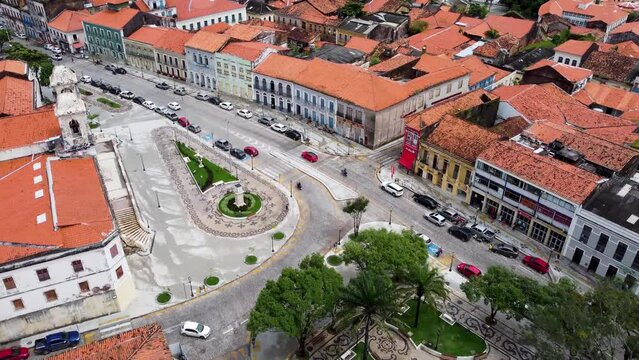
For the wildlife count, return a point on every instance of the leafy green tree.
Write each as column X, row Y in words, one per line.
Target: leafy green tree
column 633, row 16
column 388, row 252
column 297, row 300
column 527, row 8
column 492, row 34
column 36, row 60
column 356, row 209
column 429, row 284
column 501, row 289
column 374, row 60
column 417, row 26
column 4, row 37
column 477, row 10
column 352, row 8
column 370, row 299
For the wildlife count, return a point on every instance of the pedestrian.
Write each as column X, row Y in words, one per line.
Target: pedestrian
column 286, row 207
column 72, row 60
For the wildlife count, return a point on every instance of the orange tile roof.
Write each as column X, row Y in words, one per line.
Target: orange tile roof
column 174, row 41
column 98, row 3
column 68, row 21
column 112, row 19
column 479, row 71
column 519, row 28
column 144, row 343
column 244, row 32
column 13, row 66
column 612, row 97
column 142, row 6
column 149, row 34
column 606, row 12
column 431, row 63
column 632, row 27
column 596, row 150
column 626, row 48
column 488, row 50
column 468, row 22
column 441, row 19
column 438, row 41
column 580, row 30
column 500, row 73
column 555, row 176
column 16, row 96
column 22, row 130
column 427, row 81
column 9, row 166
column 393, row 63
column 511, row 127
column 612, row 66
column 548, row 102
column 207, row 41
column 430, row 116
column 80, row 204
column 250, row 51
column 571, row 73
column 197, row 8
column 218, row 28
column 367, row 46
column 461, row 138
column 622, row 135
column 304, row 10
column 575, row 47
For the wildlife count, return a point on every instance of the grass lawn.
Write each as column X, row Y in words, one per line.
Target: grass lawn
column 454, row 340
column 110, row 103
column 207, row 175
column 253, row 203
column 540, row 44
column 359, row 351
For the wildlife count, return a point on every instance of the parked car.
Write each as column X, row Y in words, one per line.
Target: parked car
column 393, row 189
column 149, row 104
column 115, row 90
column 462, row 233
column 202, row 96
column 279, row 127
column 226, row 105
column 86, row 79
column 109, row 67
column 105, row 86
column 162, row 86
column 251, row 151
column 139, row 100
column 293, row 134
column 433, row 249
column 180, row 91
column 435, row 218
column 194, row 128
column 14, row 353
column 120, row 70
column 214, row 100
column 56, row 57
column 265, row 120
column 468, row 270
column 21, row 36
column 46, row 46
column 56, row 50
column 161, row 110
column 183, row 121
column 56, row 341
column 191, row 328
column 96, row 83
column 482, row 233
column 537, row 264
column 172, row 116
column 238, row 153
column 452, row 215
column 245, row 113
column 223, row 144
column 127, row 95
column 174, row 106
column 505, row 250
column 426, row 200
column 310, row 156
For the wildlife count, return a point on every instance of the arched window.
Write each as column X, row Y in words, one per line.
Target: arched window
column 561, row 59
column 567, row 61
column 272, row 86
column 75, row 126
column 264, row 84
column 257, row 96
column 257, row 83
column 574, row 63
column 288, row 90
column 280, row 89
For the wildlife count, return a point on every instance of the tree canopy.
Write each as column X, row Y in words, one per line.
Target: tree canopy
column 356, row 209
column 527, row 8
column 417, row 26
column 37, row 60
column 297, row 300
column 352, row 8
column 4, row 37
column 477, row 10
column 388, row 252
column 492, row 33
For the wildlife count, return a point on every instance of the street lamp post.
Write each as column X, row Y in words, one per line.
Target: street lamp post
column 291, row 188
column 390, row 216
column 130, row 136
column 191, row 287
column 272, row 245
column 339, row 236
column 157, row 198
column 452, row 259
column 252, row 163
column 142, row 161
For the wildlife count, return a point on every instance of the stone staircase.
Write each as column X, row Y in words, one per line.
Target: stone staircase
column 131, row 232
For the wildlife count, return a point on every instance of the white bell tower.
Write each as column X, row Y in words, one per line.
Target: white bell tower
column 70, row 109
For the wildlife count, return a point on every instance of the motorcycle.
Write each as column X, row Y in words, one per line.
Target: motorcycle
column 344, row 172
column 299, row 185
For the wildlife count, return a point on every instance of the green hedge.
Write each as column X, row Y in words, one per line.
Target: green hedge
column 108, row 102
column 207, row 175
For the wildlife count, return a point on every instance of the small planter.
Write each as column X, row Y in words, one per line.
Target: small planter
column 163, row 297
column 334, row 260
column 278, row 235
column 212, row 281
column 250, row 260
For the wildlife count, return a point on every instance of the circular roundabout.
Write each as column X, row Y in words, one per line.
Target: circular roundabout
column 228, row 207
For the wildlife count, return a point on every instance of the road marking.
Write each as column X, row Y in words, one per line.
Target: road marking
column 228, row 330
column 244, row 321
column 172, row 328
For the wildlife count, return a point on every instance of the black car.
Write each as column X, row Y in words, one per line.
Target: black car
column 505, row 250
column 138, row 100
column 265, row 120
column 162, row 86
column 462, row 233
column 238, row 153
column 109, row 67
column 171, row 116
column 426, row 200
column 115, row 90
column 215, row 100
column 96, row 83
column 194, row 128
column 120, row 70
column 293, row 134
column 105, row 86
column 223, row 144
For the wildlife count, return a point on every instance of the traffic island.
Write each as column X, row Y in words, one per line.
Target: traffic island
column 204, row 172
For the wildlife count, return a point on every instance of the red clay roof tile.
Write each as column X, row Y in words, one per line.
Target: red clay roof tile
column 571, row 73
column 207, row 41
column 23, row 130
column 197, row 8
column 575, row 47
column 16, row 96
column 149, row 34
column 174, row 41
column 68, row 21
column 111, row 18
column 367, row 46
column 461, row 138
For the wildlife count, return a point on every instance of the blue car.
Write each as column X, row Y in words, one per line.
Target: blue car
column 433, row 249
column 57, row 341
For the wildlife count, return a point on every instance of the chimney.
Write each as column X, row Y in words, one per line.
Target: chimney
column 423, row 49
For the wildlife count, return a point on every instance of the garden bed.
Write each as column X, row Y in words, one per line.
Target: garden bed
column 252, row 204
column 250, row 260
column 208, row 174
column 109, row 103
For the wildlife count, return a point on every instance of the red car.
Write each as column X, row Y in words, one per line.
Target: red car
column 468, row 270
column 184, row 121
column 310, row 156
column 536, row 264
column 14, row 353
column 251, row 151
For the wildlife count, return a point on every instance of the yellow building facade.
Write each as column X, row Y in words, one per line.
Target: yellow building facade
column 445, row 170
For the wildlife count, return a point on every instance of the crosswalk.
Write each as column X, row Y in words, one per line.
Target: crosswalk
column 274, row 169
column 385, row 157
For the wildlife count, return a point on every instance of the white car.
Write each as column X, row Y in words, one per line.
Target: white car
column 226, row 105
column 191, row 328
column 393, row 189
column 245, row 113
column 435, row 218
column 202, row 96
column 49, row 46
column 21, row 36
column 279, row 127
column 56, row 50
column 149, row 104
column 162, row 110
column 127, row 95
column 85, row 79
column 174, row 106
column 56, row 57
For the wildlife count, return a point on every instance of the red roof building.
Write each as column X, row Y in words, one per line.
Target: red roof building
column 568, row 78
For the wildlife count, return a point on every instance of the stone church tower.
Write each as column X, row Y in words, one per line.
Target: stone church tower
column 70, row 109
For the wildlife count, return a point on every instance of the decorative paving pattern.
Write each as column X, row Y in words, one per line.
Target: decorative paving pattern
column 202, row 207
column 125, row 105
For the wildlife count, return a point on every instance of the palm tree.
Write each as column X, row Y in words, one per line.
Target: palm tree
column 492, row 34
column 371, row 299
column 429, row 284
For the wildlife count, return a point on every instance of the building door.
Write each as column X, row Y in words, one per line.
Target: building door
column 594, row 264
column 612, row 271
column 576, row 257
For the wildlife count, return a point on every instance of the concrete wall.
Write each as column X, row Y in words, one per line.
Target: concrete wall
column 230, row 17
